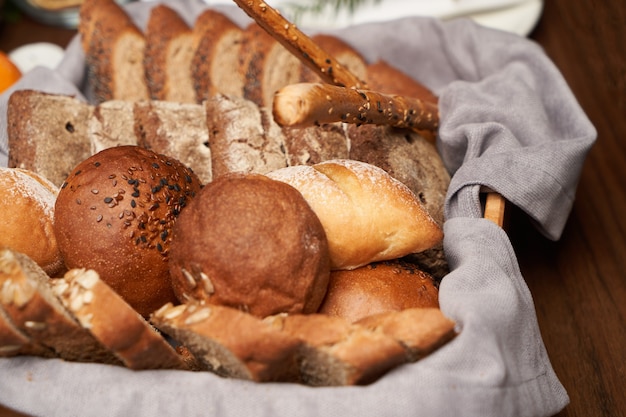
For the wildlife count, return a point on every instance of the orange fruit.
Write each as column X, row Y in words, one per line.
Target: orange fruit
column 9, row 72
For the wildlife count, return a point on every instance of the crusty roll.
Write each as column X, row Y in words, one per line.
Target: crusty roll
column 115, row 214
column 26, row 224
column 378, row 288
column 251, row 243
column 368, row 216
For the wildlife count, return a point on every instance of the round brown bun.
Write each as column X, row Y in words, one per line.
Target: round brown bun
column 27, row 217
column 115, row 213
column 378, row 288
column 251, row 243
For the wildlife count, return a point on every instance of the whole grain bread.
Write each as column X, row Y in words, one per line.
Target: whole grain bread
column 168, row 55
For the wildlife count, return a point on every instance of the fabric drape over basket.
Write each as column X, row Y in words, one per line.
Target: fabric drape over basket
column 508, row 122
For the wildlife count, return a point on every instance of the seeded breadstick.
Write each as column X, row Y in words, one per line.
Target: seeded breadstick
column 307, row 104
column 299, row 44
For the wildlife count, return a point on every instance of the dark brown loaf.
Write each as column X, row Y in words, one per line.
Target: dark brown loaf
column 378, row 288
column 27, row 220
column 115, row 215
column 252, row 243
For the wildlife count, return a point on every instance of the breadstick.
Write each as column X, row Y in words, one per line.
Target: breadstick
column 299, row 44
column 307, row 104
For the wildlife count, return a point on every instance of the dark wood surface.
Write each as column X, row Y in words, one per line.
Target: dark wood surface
column 579, row 282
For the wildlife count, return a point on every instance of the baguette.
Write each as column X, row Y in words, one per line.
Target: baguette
column 114, row 323
column 231, row 343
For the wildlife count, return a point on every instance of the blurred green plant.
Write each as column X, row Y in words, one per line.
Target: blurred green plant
column 315, row 7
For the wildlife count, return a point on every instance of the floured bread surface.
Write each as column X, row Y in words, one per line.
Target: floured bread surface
column 368, row 215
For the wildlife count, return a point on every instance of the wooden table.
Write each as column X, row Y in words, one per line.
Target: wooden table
column 579, row 282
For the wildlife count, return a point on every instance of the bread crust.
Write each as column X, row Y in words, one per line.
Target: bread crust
column 263, row 249
column 376, row 288
column 115, row 215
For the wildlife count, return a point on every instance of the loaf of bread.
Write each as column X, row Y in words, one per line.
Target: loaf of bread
column 114, row 323
column 252, row 243
column 368, row 215
column 115, row 214
column 377, row 288
column 27, row 224
column 30, row 304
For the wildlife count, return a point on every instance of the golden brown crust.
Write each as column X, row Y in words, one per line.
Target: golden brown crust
column 168, row 54
column 263, row 249
column 28, row 300
column 368, row 215
column 231, row 343
column 27, row 226
column 115, row 215
column 343, row 52
column 377, row 288
column 114, row 323
column 384, row 77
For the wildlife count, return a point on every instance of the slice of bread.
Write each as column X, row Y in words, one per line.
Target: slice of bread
column 231, row 343
column 217, row 40
column 14, row 342
column 32, row 306
column 47, row 133
column 114, row 50
column 168, row 55
column 114, row 323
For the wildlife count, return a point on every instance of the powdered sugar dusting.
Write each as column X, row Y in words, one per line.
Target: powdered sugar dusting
column 22, row 184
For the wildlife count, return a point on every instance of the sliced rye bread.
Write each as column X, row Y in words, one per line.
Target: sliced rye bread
column 47, row 133
column 168, row 55
column 231, row 343
column 31, row 305
column 216, row 45
column 114, row 50
column 114, row 323
column 14, row 342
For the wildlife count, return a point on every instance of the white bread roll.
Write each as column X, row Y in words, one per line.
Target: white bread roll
column 368, row 215
column 26, row 224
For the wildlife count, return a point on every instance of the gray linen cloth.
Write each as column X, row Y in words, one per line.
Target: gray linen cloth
column 508, row 122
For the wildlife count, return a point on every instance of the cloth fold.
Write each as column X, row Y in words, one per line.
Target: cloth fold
column 509, row 122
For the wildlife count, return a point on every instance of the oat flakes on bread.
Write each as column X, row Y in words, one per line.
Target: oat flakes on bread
column 368, row 215
column 14, row 342
column 114, row 323
column 230, row 342
column 30, row 303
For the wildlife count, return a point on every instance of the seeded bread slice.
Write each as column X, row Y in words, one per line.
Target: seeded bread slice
column 114, row 323
column 114, row 50
column 14, row 342
column 231, row 343
column 335, row 352
column 216, row 44
column 168, row 55
column 420, row 330
column 31, row 305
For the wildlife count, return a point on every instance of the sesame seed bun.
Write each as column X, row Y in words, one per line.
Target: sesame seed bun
column 115, row 213
column 26, row 223
column 251, row 243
